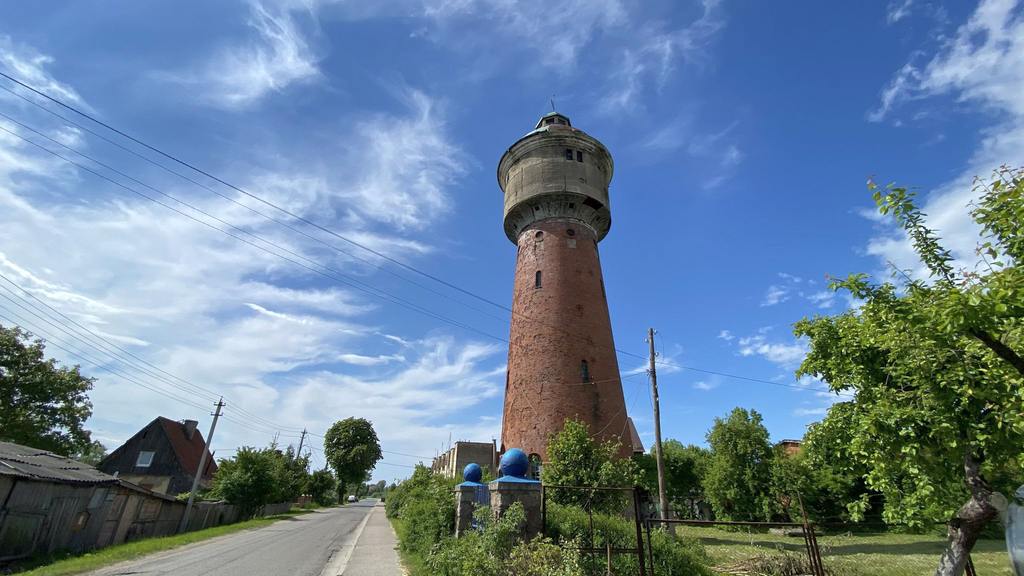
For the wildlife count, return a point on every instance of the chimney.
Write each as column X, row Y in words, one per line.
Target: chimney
column 190, row 428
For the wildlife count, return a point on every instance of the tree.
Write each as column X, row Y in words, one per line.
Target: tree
column 739, row 474
column 42, row 404
column 322, row 486
column 91, row 454
column 685, row 467
column 576, row 459
column 935, row 370
column 352, row 449
column 839, row 491
column 248, row 480
column 291, row 474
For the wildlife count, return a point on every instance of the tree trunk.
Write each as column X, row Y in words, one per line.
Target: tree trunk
column 972, row 517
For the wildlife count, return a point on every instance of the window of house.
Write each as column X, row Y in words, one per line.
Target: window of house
column 568, row 153
column 584, row 371
column 145, row 458
column 536, row 280
column 579, row 156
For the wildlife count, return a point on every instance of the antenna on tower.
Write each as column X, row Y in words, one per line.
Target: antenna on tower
column 552, row 100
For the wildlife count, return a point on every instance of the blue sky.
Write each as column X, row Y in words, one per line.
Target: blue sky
column 743, row 134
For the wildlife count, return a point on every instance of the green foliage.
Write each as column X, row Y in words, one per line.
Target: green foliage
column 572, row 525
column 576, row 459
column 685, row 468
column 934, row 366
column 497, row 551
column 737, row 483
column 42, row 404
column 352, row 449
column 255, row 477
column 426, row 504
column 91, row 453
column 322, row 486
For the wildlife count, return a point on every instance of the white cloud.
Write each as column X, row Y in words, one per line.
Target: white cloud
column 775, row 295
column 239, row 76
column 897, row 10
column 726, row 335
column 235, row 320
column 654, row 59
column 784, row 354
column 981, row 64
column 823, row 299
column 816, row 411
column 27, row 64
column 705, row 385
column 360, row 360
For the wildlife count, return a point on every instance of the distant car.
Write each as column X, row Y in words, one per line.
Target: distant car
column 352, row 498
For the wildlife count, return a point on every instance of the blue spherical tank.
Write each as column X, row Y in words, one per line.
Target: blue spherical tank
column 472, row 472
column 515, row 463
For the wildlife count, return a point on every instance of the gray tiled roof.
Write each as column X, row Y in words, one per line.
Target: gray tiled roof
column 26, row 462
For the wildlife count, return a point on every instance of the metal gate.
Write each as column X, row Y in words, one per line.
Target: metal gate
column 635, row 499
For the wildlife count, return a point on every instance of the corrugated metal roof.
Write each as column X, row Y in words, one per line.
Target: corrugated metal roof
column 27, row 462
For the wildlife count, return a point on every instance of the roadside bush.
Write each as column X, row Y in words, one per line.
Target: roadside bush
column 671, row 556
column 497, row 551
column 425, row 504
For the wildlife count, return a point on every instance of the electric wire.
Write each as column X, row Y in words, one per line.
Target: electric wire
column 308, row 222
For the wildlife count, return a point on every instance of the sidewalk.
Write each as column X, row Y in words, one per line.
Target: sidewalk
column 374, row 553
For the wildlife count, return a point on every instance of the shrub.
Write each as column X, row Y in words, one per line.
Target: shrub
column 426, row 504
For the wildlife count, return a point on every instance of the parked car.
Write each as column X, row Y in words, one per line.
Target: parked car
column 352, row 498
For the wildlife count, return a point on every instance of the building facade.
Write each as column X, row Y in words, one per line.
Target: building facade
column 162, row 457
column 452, row 462
column 561, row 360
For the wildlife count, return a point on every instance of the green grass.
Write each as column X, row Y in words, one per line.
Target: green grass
column 60, row 565
column 414, row 563
column 868, row 554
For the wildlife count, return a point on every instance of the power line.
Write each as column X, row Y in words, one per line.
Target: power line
column 368, row 289
column 194, row 388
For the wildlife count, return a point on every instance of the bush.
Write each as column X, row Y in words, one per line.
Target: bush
column 426, row 504
column 497, row 551
column 576, row 459
column 567, row 524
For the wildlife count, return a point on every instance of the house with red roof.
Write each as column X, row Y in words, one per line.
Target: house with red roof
column 162, row 457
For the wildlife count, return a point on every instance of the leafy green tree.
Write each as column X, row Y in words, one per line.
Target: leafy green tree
column 935, row 370
column 352, row 449
column 249, row 480
column 91, row 454
column 685, row 467
column 576, row 459
column 291, row 474
column 737, row 482
column 322, row 486
column 42, row 404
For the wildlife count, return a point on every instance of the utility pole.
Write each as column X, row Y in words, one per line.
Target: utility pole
column 302, row 439
column 202, row 467
column 662, row 501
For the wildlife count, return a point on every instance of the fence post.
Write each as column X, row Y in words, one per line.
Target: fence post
column 639, row 532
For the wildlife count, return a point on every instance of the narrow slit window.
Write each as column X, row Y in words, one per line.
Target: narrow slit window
column 584, row 371
column 579, row 156
column 536, row 279
column 568, row 153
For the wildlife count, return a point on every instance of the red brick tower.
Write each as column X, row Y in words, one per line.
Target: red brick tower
column 561, row 359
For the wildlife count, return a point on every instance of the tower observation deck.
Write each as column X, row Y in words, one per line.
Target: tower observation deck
column 561, row 360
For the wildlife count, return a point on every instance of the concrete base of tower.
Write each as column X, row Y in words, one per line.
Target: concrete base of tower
column 562, row 361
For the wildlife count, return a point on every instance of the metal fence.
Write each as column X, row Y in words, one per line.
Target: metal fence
column 600, row 538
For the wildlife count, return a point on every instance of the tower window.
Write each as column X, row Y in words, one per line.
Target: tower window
column 579, row 156
column 536, row 279
column 584, row 371
column 568, row 153
column 570, row 232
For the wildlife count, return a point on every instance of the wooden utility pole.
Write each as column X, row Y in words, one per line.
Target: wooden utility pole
column 202, row 466
column 302, row 439
column 662, row 501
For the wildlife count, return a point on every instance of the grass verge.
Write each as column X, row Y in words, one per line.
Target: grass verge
column 856, row 554
column 414, row 563
column 61, row 564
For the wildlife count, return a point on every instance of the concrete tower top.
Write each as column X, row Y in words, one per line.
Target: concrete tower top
column 556, row 171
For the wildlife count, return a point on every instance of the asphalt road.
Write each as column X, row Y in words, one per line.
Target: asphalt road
column 300, row 545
